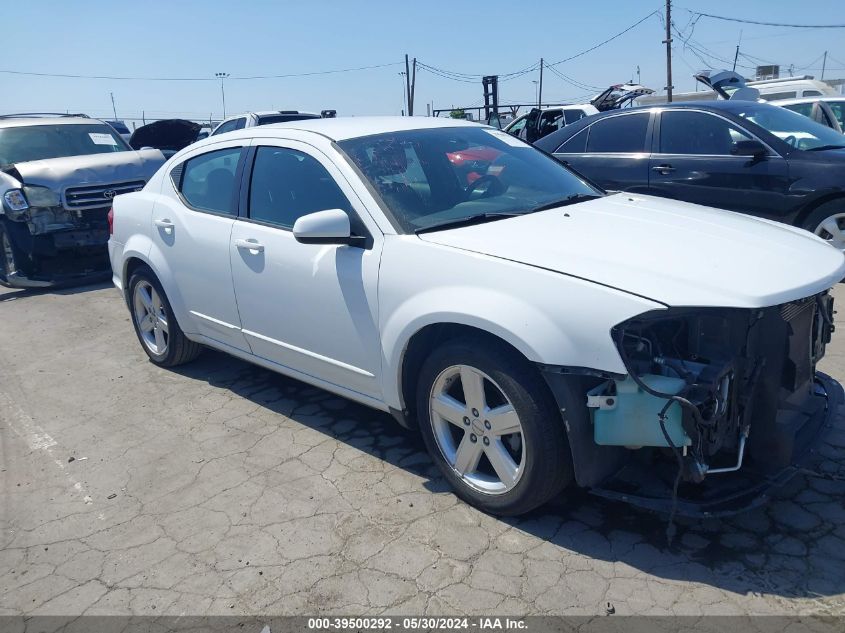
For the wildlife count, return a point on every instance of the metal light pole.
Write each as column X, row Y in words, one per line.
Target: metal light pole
column 536, row 95
column 222, row 77
column 113, row 108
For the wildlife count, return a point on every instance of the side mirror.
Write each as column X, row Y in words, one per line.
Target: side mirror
column 749, row 148
column 326, row 227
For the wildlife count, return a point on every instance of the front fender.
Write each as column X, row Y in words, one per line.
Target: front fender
column 550, row 318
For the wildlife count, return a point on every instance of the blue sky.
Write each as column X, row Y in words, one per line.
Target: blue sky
column 262, row 37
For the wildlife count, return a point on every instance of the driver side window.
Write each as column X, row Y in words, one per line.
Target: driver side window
column 698, row 133
column 287, row 184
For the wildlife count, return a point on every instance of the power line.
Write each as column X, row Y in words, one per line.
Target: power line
column 573, row 82
column 211, row 78
column 759, row 23
column 600, row 44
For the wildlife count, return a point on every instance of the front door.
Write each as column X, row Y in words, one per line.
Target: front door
column 694, row 162
column 310, row 308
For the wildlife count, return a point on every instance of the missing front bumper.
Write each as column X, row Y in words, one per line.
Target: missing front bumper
column 648, row 484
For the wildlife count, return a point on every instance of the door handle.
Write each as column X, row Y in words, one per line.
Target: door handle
column 250, row 245
column 165, row 224
column 663, row 169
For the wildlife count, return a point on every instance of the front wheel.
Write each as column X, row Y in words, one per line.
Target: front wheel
column 492, row 427
column 828, row 222
column 155, row 324
column 8, row 256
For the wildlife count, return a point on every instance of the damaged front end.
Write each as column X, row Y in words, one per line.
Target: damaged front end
column 716, row 407
column 49, row 242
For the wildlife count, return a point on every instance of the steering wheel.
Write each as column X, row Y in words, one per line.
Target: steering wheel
column 791, row 140
column 494, row 186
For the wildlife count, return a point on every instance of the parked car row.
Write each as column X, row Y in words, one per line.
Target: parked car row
column 58, row 176
column 739, row 155
column 538, row 331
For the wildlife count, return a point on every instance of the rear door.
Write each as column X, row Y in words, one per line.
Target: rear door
column 192, row 227
column 693, row 161
column 613, row 151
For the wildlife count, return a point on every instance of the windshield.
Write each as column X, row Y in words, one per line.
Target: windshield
column 436, row 176
column 799, row 131
column 37, row 142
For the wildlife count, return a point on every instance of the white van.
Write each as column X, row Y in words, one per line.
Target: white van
column 770, row 89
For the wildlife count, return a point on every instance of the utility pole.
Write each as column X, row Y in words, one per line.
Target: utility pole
column 408, row 84
column 540, row 92
column 113, row 109
column 222, row 77
column 824, row 63
column 668, row 42
column 404, row 93
column 736, row 54
column 413, row 87
column 638, row 75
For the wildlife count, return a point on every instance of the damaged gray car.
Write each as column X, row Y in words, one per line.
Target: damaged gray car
column 58, row 177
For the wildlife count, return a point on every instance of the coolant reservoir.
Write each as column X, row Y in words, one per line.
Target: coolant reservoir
column 629, row 418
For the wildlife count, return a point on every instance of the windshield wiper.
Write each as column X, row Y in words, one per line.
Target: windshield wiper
column 821, row 148
column 478, row 218
column 562, row 202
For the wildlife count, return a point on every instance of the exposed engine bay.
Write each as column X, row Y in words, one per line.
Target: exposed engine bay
column 711, row 394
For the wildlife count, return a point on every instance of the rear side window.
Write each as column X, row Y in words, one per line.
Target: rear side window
column 772, row 96
column 811, row 93
column 838, row 108
column 208, row 180
column 287, row 184
column 620, row 134
column 230, row 126
column 801, row 108
column 576, row 145
column 570, row 116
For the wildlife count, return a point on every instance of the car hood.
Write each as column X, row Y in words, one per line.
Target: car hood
column 672, row 252
column 172, row 134
column 107, row 168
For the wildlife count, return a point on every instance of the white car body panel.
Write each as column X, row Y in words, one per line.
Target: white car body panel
column 653, row 247
column 551, row 284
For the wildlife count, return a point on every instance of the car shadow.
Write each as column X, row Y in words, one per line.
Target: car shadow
column 792, row 547
column 14, row 294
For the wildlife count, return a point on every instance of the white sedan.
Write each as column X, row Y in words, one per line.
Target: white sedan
column 537, row 331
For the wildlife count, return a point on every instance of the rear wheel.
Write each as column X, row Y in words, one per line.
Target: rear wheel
column 492, row 427
column 155, row 324
column 828, row 222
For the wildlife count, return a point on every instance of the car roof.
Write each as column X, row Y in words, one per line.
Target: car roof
column 30, row 121
column 721, row 105
column 797, row 100
column 342, row 128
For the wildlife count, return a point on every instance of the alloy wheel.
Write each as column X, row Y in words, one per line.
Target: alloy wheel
column 477, row 429
column 832, row 229
column 151, row 318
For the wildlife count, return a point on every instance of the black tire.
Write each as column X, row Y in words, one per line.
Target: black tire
column 9, row 255
column 179, row 349
column 829, row 209
column 547, row 465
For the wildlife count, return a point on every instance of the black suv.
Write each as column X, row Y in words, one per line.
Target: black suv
column 743, row 156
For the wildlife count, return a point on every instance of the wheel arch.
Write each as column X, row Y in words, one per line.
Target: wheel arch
column 135, row 257
column 428, row 337
column 809, row 208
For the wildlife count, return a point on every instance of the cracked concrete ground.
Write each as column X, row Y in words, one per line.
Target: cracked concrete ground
column 222, row 488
